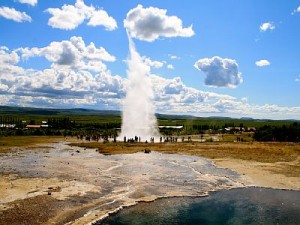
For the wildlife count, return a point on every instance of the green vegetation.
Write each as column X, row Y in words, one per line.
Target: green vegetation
column 72, row 122
column 289, row 133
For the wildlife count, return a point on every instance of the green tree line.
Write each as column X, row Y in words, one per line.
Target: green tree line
column 290, row 133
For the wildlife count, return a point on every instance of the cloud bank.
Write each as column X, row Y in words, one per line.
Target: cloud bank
column 71, row 16
column 220, row 72
column 78, row 76
column 149, row 24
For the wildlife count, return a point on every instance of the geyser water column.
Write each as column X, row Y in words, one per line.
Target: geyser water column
column 138, row 116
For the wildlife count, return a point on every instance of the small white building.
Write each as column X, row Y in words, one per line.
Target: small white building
column 170, row 127
column 7, row 125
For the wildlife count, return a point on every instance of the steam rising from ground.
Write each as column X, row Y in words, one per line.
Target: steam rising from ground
column 138, row 117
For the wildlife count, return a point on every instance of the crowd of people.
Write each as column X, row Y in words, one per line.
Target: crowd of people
column 135, row 139
column 152, row 139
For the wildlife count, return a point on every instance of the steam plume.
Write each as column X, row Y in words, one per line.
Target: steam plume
column 138, row 118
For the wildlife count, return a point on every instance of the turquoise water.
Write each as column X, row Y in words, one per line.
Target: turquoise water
column 238, row 206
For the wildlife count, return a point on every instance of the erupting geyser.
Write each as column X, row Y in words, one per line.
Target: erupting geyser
column 138, row 117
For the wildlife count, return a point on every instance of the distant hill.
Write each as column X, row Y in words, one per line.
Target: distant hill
column 11, row 110
column 47, row 111
column 174, row 117
column 247, row 118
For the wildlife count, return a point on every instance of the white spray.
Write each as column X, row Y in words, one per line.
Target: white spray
column 138, row 118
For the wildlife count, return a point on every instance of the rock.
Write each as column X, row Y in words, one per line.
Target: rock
column 147, row 151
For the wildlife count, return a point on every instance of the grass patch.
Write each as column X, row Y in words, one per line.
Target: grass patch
column 287, row 170
column 7, row 143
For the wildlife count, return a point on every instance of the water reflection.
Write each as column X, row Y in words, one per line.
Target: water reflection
column 237, row 206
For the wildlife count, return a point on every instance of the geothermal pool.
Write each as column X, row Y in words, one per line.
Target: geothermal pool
column 236, row 206
column 60, row 184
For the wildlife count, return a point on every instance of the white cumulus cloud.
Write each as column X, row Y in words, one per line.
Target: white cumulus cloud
column 72, row 80
column 76, row 77
column 267, row 26
column 12, row 14
column 29, row 2
column 262, row 63
column 157, row 64
column 173, row 96
column 152, row 63
column 297, row 10
column 73, row 53
column 170, row 67
column 71, row 16
column 173, row 56
column 148, row 24
column 173, row 92
column 101, row 18
column 8, row 58
column 220, row 72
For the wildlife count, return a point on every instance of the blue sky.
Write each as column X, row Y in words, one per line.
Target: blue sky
column 207, row 58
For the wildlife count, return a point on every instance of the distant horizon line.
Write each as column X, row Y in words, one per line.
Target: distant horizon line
column 186, row 115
